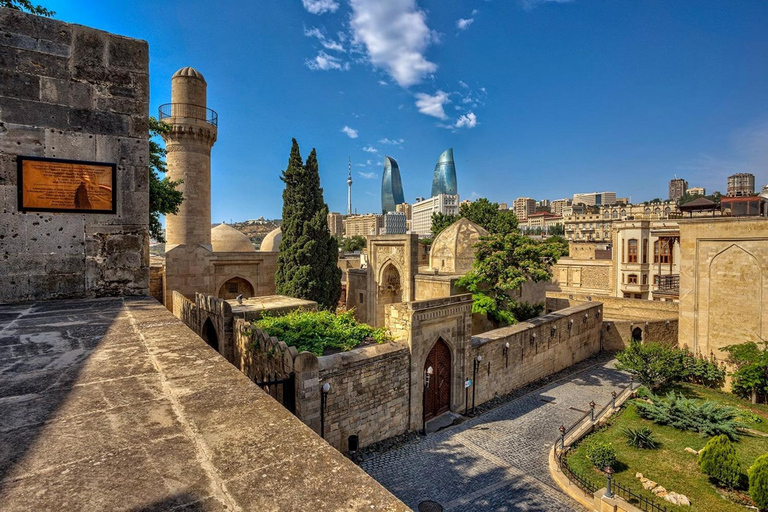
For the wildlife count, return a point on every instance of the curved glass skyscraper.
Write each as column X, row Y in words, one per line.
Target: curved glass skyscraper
column 391, row 186
column 444, row 179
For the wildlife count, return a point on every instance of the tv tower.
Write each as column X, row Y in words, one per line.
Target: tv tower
column 349, row 187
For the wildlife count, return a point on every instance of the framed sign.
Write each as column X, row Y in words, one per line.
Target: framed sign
column 54, row 185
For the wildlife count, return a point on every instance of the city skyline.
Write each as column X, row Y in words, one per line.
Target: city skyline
column 581, row 95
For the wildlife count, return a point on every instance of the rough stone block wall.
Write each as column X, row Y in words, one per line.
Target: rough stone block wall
column 157, row 282
column 186, row 311
column 537, row 348
column 369, row 394
column 617, row 308
column 72, row 92
column 357, row 289
column 617, row 334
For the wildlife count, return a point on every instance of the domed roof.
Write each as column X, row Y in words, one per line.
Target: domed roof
column 453, row 249
column 189, row 71
column 271, row 242
column 227, row 239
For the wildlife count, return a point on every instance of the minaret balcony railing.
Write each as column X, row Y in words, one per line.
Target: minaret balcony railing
column 190, row 111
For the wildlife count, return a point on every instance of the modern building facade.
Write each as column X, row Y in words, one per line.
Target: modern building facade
column 406, row 208
column 697, row 191
column 395, row 223
column 444, row 178
column 391, row 186
column 557, row 205
column 363, row 225
column 524, row 207
column 335, row 224
column 595, row 198
column 421, row 220
column 741, row 184
column 677, row 189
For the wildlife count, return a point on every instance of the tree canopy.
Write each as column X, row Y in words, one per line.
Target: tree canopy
column 307, row 262
column 27, row 6
column 164, row 196
column 483, row 213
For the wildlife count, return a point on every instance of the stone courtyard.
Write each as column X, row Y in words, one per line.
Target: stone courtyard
column 498, row 460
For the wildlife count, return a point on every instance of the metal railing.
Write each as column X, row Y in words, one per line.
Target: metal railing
column 190, row 111
column 640, row 502
column 668, row 284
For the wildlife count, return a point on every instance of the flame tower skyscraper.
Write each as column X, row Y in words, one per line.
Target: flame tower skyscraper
column 444, row 179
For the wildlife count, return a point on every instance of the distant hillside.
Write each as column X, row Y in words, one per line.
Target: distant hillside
column 256, row 230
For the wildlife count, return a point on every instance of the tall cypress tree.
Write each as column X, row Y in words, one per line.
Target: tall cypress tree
column 307, row 263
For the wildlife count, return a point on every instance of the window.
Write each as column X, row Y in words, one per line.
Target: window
column 638, row 295
column 632, row 251
column 645, row 278
column 361, row 298
column 232, row 288
column 627, row 295
column 661, row 253
column 632, row 279
column 645, row 250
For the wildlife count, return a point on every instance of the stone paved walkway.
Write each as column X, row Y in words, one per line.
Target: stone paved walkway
column 498, row 460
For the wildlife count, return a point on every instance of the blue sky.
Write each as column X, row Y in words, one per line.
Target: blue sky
column 538, row 98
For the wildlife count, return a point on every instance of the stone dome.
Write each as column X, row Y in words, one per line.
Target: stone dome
column 189, row 71
column 227, row 239
column 271, row 242
column 453, row 249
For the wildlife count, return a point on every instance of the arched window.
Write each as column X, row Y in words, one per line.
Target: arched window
column 661, row 252
column 632, row 251
column 632, row 279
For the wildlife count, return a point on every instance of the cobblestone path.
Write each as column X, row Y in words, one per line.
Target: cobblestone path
column 497, row 461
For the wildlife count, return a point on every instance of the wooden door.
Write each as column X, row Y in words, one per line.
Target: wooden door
column 438, row 393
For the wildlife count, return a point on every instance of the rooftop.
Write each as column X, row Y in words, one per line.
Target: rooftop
column 253, row 308
column 114, row 403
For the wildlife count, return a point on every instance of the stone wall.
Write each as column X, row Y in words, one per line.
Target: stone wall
column 537, row 348
column 723, row 282
column 434, row 286
column 72, row 92
column 157, row 283
column 616, row 308
column 369, row 394
column 357, row 293
column 583, row 275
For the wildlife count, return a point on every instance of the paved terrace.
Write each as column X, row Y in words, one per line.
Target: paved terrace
column 498, row 461
column 113, row 404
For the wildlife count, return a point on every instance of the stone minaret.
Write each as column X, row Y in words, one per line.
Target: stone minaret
column 349, row 187
column 188, row 145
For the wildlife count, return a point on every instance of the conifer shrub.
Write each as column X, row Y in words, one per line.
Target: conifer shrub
column 758, row 482
column 600, row 454
column 719, row 461
column 704, row 416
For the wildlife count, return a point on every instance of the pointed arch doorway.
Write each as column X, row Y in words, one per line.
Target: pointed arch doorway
column 438, row 394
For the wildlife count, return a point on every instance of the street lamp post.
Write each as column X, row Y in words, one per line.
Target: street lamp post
column 427, row 375
column 505, row 352
column 323, row 398
column 475, row 366
column 592, row 405
column 609, row 477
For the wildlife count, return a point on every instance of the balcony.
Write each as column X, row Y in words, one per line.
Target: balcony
column 668, row 285
column 189, row 111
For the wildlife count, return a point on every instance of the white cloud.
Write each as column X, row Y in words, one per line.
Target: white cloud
column 367, row 175
column 369, row 162
column 395, row 36
column 324, row 62
column 320, row 6
column 328, row 44
column 530, row 4
column 432, row 105
column 351, row 132
column 468, row 120
column 463, row 24
column 463, row 84
column 382, row 82
column 370, row 149
column 393, row 142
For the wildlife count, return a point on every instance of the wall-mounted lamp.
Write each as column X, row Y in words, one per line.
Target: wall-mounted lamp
column 505, row 353
column 599, row 312
column 323, row 399
column 570, row 296
column 570, row 324
column 589, row 298
column 533, row 338
column 427, row 376
column 475, row 366
column 667, row 323
column 553, row 331
column 586, row 317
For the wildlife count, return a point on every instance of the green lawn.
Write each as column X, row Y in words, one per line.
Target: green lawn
column 670, row 465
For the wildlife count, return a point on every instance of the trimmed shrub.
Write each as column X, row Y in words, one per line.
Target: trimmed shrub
column 700, row 370
column 600, row 454
column 758, row 482
column 640, row 438
column 652, row 364
column 719, row 461
column 704, row 416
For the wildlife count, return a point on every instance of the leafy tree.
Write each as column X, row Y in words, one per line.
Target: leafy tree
column 503, row 263
column 719, row 461
column 557, row 230
column 751, row 375
column 440, row 221
column 758, row 482
column 307, row 264
column 27, row 6
column 354, row 243
column 164, row 197
column 652, row 364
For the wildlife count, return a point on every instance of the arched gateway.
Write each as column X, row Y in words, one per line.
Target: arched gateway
column 438, row 394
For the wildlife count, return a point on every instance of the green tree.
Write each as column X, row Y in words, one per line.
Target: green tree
column 652, row 364
column 750, row 378
column 27, row 6
column 440, row 221
column 758, row 482
column 307, row 264
column 719, row 461
column 164, row 196
column 354, row 243
column 503, row 263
